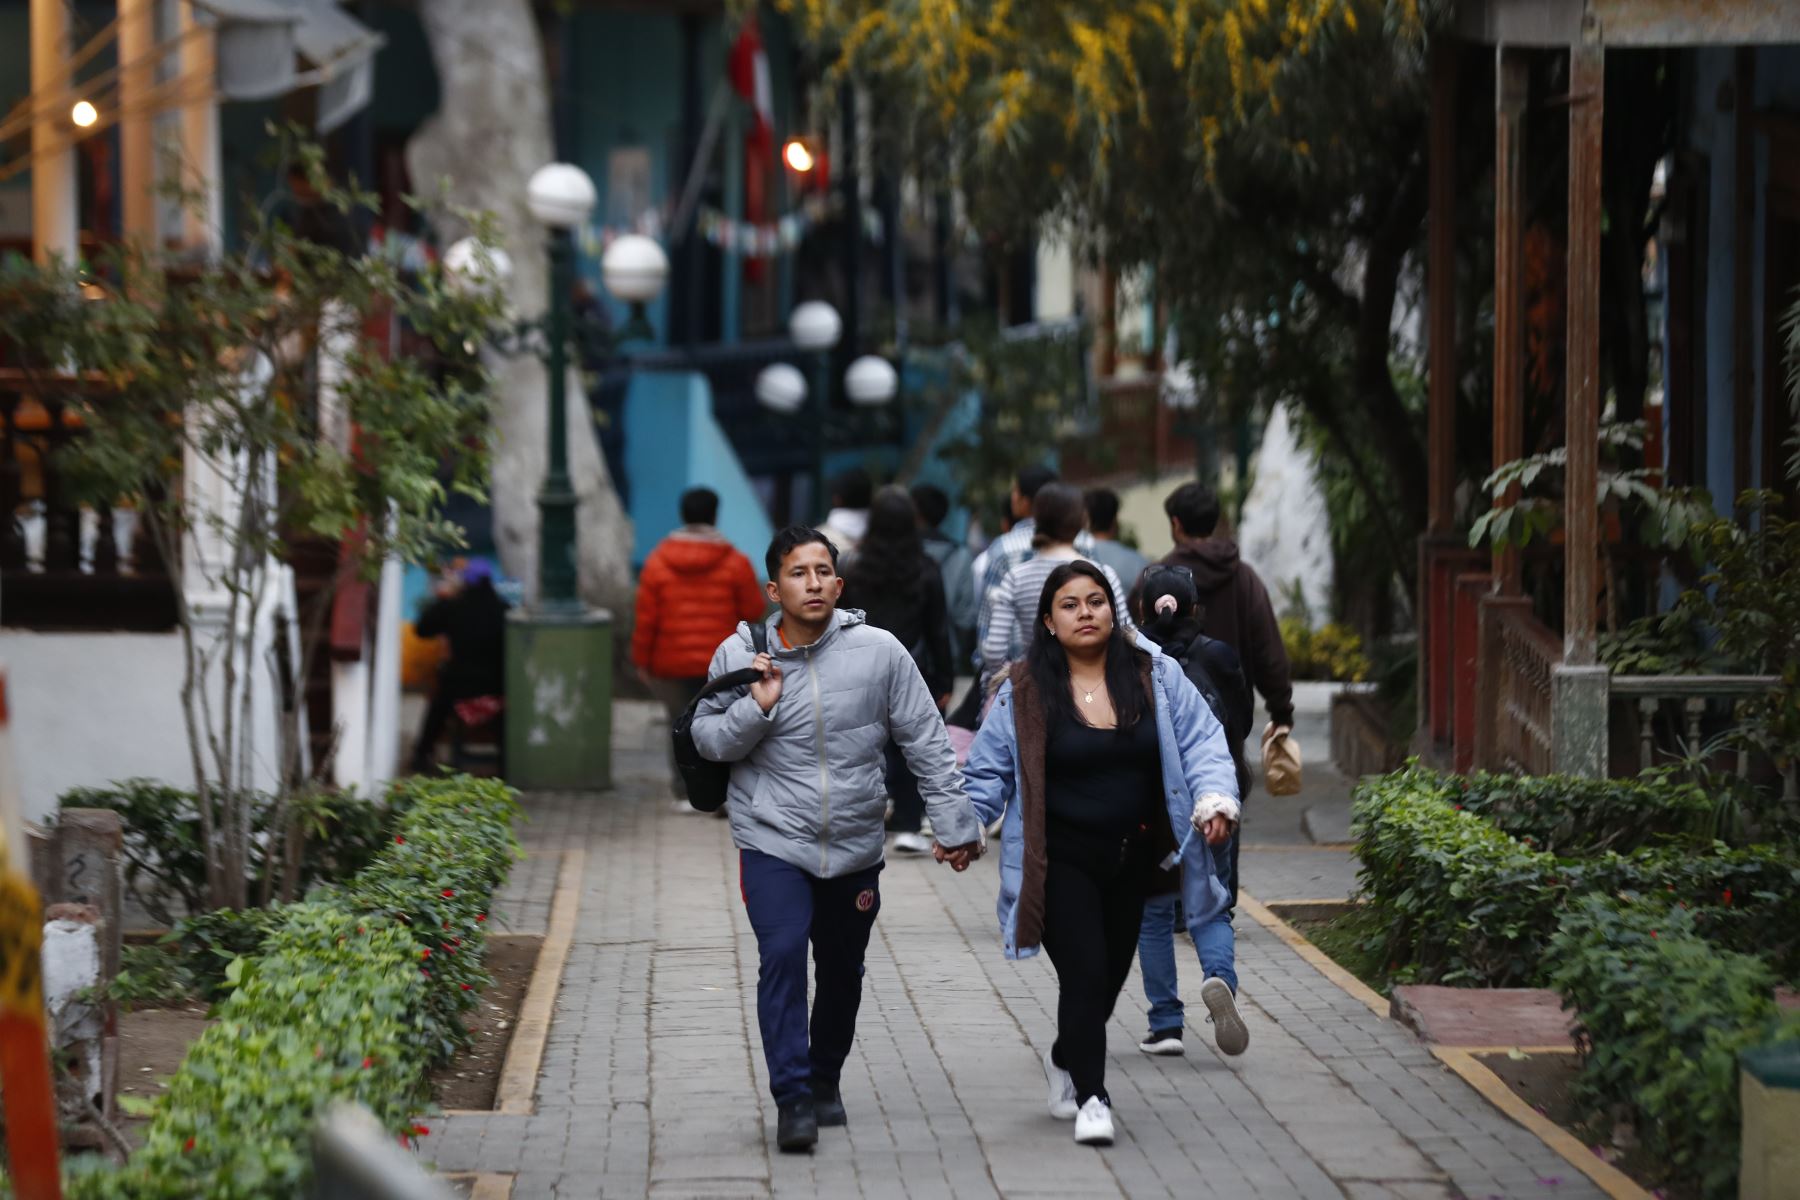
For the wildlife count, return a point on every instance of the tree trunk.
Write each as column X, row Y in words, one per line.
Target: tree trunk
column 490, row 132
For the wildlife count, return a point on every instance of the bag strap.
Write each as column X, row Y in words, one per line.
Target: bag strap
column 759, row 637
column 742, row 677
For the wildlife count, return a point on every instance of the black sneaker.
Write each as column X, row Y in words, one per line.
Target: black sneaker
column 828, row 1103
column 1163, row 1042
column 797, row 1128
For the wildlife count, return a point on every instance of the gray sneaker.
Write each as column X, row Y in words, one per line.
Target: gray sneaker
column 1228, row 1026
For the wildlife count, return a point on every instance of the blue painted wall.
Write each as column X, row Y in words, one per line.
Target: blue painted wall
column 673, row 443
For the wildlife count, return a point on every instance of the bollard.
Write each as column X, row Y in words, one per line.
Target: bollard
column 354, row 1158
column 1769, row 1086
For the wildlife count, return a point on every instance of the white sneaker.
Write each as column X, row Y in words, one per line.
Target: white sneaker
column 1093, row 1124
column 1062, row 1092
column 1228, row 1027
column 682, row 806
column 912, row 843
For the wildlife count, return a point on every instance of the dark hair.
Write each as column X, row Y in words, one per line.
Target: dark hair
column 699, row 506
column 932, row 503
column 1049, row 665
column 852, row 489
column 790, row 540
column 886, row 576
column 1103, row 509
column 1059, row 514
column 1032, row 480
column 1196, row 506
column 1173, row 631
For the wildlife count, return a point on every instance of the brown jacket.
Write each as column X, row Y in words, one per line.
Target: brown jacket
column 1235, row 609
column 1031, row 729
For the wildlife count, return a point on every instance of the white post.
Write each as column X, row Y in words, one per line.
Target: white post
column 54, row 218
column 137, row 145
column 205, row 223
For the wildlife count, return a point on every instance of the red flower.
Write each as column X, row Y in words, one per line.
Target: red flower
column 465, row 987
column 421, row 1131
column 425, row 953
column 448, row 894
column 481, row 917
column 1727, row 897
column 1653, row 933
column 399, row 841
column 446, row 924
column 187, row 1145
column 367, row 1063
column 424, row 972
column 360, row 929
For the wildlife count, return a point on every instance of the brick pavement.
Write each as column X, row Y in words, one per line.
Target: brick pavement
column 653, row 1081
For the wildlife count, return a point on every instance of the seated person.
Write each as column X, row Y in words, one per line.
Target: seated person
column 472, row 616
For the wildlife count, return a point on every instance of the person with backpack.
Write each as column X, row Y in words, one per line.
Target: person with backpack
column 898, row 588
column 1107, row 769
column 1170, row 617
column 806, row 741
column 955, row 566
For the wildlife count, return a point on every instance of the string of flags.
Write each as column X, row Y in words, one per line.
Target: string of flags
column 746, row 239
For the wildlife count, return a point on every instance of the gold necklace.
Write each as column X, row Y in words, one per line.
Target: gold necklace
column 1087, row 693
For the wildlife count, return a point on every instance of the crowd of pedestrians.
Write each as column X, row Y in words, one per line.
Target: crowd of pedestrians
column 1101, row 742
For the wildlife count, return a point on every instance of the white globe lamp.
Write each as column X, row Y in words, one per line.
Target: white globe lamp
column 561, row 195
column 1180, row 390
column 634, row 269
column 470, row 264
column 815, row 326
column 781, row 388
column 871, row 381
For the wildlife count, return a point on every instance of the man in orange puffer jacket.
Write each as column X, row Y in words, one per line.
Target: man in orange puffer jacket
column 694, row 589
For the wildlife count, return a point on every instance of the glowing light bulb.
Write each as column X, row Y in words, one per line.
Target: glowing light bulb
column 798, row 156
column 84, row 114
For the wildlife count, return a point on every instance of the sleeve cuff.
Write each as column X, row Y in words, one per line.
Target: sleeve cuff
column 1215, row 804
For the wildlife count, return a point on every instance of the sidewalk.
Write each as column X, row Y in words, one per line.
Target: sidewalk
column 653, row 1080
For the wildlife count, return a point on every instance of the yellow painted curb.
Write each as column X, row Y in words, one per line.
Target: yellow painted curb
column 1608, row 1178
column 518, row 1076
column 1321, row 961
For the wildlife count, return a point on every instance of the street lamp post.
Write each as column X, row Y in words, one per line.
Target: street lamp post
column 816, row 328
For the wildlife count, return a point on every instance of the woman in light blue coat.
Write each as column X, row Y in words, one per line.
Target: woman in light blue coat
column 1111, row 772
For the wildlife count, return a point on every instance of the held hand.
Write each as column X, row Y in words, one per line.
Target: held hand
column 959, row 857
column 1216, row 831
column 767, row 690
column 1273, row 731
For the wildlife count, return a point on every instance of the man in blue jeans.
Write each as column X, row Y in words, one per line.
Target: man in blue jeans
column 808, row 805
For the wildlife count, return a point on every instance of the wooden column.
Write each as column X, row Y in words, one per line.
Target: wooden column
column 1511, row 85
column 1587, row 89
column 137, row 147
column 204, row 220
column 1441, row 293
column 55, row 229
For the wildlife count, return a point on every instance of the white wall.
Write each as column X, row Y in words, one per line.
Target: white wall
column 90, row 708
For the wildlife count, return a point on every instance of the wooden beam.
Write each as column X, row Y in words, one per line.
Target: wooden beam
column 1512, row 79
column 1441, row 293
column 1587, row 108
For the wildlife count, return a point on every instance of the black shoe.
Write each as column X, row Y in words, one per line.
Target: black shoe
column 828, row 1102
column 1163, row 1042
column 797, row 1128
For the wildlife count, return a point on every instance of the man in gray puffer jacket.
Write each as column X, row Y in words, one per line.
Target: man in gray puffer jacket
column 808, row 802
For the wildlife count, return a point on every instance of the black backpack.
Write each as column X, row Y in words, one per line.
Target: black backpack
column 1214, row 668
column 708, row 781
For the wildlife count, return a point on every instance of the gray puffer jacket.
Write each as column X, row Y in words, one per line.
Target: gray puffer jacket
column 807, row 781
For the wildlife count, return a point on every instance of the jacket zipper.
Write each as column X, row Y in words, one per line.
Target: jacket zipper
column 812, row 677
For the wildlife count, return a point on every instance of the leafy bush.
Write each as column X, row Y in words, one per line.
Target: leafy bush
column 1466, row 902
column 165, row 860
column 150, row 976
column 1564, row 814
column 356, row 993
column 1663, row 1016
column 1332, row 652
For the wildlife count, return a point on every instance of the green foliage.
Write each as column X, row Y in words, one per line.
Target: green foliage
column 211, row 941
column 1664, row 1015
column 149, row 977
column 354, row 995
column 164, row 860
column 1333, row 652
column 1467, row 902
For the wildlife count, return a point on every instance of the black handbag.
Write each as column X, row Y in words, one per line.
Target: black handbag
column 708, row 781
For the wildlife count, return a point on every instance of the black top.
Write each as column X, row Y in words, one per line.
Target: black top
column 1102, row 786
column 918, row 619
column 474, row 619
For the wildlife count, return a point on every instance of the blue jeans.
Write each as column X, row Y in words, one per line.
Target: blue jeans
column 1215, row 940
column 790, row 908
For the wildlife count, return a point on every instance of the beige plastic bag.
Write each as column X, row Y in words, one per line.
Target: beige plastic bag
column 1281, row 761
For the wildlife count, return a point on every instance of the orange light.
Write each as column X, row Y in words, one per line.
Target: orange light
column 797, row 156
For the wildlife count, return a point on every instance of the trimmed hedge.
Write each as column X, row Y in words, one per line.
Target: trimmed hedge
column 1465, row 902
column 1663, row 1016
column 356, row 993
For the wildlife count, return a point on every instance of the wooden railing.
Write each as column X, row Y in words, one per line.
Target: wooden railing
column 67, row 565
column 1676, row 705
column 1519, row 675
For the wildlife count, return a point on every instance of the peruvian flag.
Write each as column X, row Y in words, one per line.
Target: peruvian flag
column 749, row 66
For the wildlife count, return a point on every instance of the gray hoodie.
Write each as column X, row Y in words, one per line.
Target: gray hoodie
column 807, row 781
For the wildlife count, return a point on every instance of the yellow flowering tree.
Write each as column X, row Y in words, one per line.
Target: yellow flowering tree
column 1266, row 158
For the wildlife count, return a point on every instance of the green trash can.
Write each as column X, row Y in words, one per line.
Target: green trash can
column 1769, row 1085
column 559, row 691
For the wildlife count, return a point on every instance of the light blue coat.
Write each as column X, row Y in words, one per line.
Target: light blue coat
column 1195, row 762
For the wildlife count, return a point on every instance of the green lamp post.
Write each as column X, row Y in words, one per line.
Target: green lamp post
column 816, row 327
column 559, row 651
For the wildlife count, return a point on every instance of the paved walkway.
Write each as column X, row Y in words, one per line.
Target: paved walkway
column 653, row 1081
